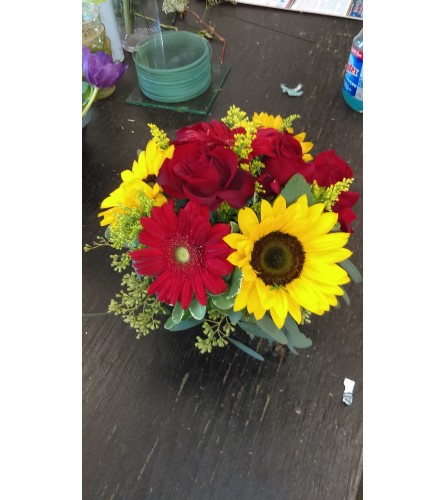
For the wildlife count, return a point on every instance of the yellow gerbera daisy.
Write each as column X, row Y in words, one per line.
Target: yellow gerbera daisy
column 276, row 122
column 141, row 179
column 289, row 259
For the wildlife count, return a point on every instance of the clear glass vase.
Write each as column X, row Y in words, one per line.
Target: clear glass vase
column 136, row 20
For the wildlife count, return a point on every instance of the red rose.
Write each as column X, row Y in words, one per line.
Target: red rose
column 343, row 208
column 211, row 133
column 206, row 175
column 282, row 156
column 329, row 169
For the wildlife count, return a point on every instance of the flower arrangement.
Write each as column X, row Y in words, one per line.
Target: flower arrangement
column 231, row 224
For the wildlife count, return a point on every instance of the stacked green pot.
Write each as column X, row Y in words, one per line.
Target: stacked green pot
column 173, row 66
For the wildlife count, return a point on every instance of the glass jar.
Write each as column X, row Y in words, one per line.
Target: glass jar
column 136, row 21
column 94, row 37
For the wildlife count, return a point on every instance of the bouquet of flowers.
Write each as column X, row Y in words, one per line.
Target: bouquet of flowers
column 231, row 224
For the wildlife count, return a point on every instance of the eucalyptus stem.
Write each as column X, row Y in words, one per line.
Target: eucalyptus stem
column 90, row 102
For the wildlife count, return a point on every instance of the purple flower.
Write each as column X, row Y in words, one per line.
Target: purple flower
column 99, row 69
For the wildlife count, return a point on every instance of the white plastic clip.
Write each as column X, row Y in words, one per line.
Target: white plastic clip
column 349, row 389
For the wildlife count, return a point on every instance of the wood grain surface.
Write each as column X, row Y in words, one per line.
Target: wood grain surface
column 160, row 420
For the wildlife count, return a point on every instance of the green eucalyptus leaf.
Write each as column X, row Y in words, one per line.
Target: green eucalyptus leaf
column 177, row 313
column 267, row 325
column 294, row 336
column 235, row 316
column 345, row 297
column 222, row 302
column 246, row 349
column 295, row 187
column 197, row 310
column 353, row 272
column 235, row 285
column 184, row 325
column 234, row 228
column 170, row 323
column 253, row 329
column 292, row 348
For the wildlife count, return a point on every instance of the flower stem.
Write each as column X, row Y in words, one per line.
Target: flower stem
column 212, row 32
column 127, row 16
column 90, row 102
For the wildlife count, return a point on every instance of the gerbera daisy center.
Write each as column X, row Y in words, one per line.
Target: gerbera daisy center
column 278, row 258
column 182, row 255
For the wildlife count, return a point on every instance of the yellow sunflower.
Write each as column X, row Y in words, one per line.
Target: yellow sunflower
column 141, row 179
column 276, row 122
column 268, row 121
column 289, row 259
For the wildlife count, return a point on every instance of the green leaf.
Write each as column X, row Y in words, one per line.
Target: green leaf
column 246, row 349
column 177, row 313
column 292, row 348
column 234, row 228
column 345, row 297
column 222, row 302
column 294, row 336
column 353, row 272
column 235, row 316
column 196, row 309
column 235, row 285
column 253, row 329
column 295, row 187
column 267, row 325
column 85, row 87
column 183, row 325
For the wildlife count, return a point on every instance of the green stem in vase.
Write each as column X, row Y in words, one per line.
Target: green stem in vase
column 90, row 102
column 127, row 16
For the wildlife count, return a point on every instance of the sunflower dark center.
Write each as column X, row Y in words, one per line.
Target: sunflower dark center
column 151, row 179
column 278, row 258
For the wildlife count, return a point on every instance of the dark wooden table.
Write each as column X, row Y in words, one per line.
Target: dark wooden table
column 162, row 421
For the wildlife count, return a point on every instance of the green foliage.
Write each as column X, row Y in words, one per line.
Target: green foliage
column 120, row 262
column 159, row 135
column 141, row 311
column 256, row 167
column 87, row 92
column 216, row 330
column 101, row 242
column 329, row 195
column 213, row 3
column 125, row 231
column 287, row 122
column 246, row 349
column 235, row 116
column 353, row 272
column 226, row 213
column 295, row 187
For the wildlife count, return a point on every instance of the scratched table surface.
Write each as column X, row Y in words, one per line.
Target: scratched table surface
column 161, row 420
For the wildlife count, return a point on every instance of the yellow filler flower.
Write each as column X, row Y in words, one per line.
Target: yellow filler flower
column 140, row 180
column 289, row 259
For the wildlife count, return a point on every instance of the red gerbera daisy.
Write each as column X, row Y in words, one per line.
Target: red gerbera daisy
column 186, row 254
